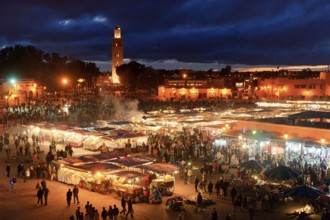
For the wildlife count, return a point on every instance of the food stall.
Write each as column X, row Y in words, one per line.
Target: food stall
column 129, row 183
column 131, row 162
column 75, row 138
column 92, row 176
column 121, row 138
column 164, row 175
column 93, row 142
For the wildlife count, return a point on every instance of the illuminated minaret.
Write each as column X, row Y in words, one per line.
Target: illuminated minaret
column 117, row 53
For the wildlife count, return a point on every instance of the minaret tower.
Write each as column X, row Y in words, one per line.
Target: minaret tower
column 117, row 53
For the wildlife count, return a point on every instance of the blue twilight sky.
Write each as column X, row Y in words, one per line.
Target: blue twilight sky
column 198, row 34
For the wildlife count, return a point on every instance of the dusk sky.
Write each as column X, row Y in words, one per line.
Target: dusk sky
column 171, row 34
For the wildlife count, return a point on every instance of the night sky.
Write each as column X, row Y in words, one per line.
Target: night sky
column 172, row 34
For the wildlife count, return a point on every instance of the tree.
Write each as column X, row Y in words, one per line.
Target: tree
column 29, row 62
column 148, row 79
column 225, row 71
column 128, row 74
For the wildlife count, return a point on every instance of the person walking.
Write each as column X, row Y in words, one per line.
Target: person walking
column 69, row 197
column 217, row 188
column 130, row 208
column 123, row 205
column 233, row 194
column 110, row 212
column 8, row 170
column 96, row 215
column 210, row 189
column 199, row 201
column 104, row 213
column 46, row 193
column 115, row 212
column 78, row 213
column 214, row 214
column 196, row 181
column 75, row 191
column 40, row 195
column 251, row 211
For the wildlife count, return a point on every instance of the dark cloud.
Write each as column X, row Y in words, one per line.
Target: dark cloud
column 239, row 31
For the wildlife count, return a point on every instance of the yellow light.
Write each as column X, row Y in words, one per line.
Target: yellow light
column 240, row 137
column 81, row 80
column 64, row 81
column 322, row 140
column 286, row 136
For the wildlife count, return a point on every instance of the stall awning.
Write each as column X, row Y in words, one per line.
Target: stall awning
column 131, row 161
column 92, row 158
column 161, row 168
column 99, row 167
column 128, row 174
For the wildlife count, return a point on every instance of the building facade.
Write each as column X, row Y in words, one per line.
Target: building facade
column 117, row 53
column 314, row 88
column 192, row 89
column 20, row 91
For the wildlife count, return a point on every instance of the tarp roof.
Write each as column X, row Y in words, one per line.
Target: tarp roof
column 311, row 114
column 161, row 168
column 130, row 162
column 282, row 173
column 91, row 158
column 128, row 174
column 102, row 167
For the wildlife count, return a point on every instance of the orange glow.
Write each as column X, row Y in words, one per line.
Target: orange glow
column 286, row 136
column 183, row 91
column 64, row 81
column 115, row 78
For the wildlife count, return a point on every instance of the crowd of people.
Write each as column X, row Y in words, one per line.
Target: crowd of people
column 83, row 109
column 183, row 148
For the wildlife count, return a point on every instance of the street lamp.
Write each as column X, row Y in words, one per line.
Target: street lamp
column 286, row 136
column 322, row 141
column 185, row 79
column 12, row 81
column 65, row 81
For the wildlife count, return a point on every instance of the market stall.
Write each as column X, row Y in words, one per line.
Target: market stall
column 74, row 138
column 92, row 176
column 92, row 142
column 131, row 162
column 164, row 178
column 129, row 183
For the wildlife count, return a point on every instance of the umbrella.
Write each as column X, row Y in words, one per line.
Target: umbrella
column 304, row 191
column 252, row 165
column 282, row 173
